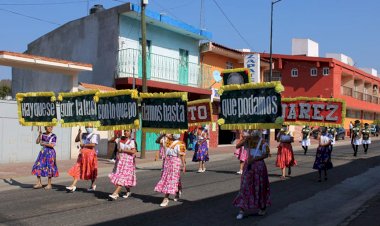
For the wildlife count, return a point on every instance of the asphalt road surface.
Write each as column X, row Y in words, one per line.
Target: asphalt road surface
column 207, row 197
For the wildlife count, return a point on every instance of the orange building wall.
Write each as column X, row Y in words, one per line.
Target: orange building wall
column 218, row 62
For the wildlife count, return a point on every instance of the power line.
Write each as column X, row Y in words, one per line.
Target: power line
column 50, row 3
column 30, row 17
column 232, row 25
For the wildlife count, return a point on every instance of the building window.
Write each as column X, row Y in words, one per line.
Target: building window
column 313, row 71
column 294, row 72
column 229, row 65
column 276, row 76
column 326, row 71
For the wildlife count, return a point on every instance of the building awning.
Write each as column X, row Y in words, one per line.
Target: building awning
column 89, row 86
column 27, row 61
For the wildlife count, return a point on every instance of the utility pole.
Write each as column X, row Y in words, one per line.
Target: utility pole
column 143, row 55
column 270, row 45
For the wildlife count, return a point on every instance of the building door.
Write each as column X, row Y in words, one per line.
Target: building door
column 183, row 67
column 148, row 59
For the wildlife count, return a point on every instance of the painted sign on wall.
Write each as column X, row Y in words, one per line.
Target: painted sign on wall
column 313, row 111
column 199, row 112
column 252, row 62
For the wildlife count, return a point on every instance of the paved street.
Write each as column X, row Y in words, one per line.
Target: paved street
column 350, row 192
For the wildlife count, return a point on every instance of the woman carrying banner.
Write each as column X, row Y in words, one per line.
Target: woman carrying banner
column 355, row 138
column 305, row 138
column 285, row 155
column 124, row 171
column 241, row 153
column 170, row 182
column 86, row 167
column 323, row 156
column 366, row 139
column 254, row 186
column 201, row 149
column 46, row 164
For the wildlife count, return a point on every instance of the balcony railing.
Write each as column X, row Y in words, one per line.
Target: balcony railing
column 164, row 69
column 348, row 91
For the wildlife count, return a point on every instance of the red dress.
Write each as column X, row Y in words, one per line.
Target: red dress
column 285, row 155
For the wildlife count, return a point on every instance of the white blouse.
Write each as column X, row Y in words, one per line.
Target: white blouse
column 173, row 149
column 129, row 145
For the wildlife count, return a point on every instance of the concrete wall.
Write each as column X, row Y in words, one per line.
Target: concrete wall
column 92, row 39
column 163, row 42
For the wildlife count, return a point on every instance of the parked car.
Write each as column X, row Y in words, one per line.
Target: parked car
column 340, row 133
column 372, row 128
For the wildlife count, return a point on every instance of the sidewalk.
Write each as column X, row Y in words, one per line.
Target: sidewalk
column 15, row 170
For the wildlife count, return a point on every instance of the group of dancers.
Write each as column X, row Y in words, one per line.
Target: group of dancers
column 251, row 150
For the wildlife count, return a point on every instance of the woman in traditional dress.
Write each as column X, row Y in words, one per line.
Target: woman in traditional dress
column 86, row 167
column 355, row 138
column 366, row 137
column 201, row 150
column 323, row 156
column 241, row 153
column 285, row 155
column 46, row 164
column 162, row 141
column 305, row 138
column 170, row 182
column 254, row 191
column 124, row 172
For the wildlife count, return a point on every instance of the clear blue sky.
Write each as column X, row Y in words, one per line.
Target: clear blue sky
column 351, row 27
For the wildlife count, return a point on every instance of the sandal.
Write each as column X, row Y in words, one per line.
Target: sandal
column 48, row 187
column 37, row 186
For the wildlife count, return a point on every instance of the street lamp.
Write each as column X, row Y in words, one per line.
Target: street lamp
column 271, row 31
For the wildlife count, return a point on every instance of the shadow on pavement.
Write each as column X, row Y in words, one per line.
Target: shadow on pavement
column 16, row 183
column 218, row 210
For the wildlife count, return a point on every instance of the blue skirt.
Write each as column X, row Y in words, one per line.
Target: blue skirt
column 201, row 152
column 323, row 159
column 46, row 165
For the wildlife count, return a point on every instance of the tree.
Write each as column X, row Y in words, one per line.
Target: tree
column 5, row 91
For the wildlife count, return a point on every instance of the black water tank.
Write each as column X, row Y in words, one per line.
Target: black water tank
column 96, row 8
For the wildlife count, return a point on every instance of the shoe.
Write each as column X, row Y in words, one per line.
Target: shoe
column 282, row 178
column 261, row 212
column 165, row 202
column 113, row 196
column 37, row 186
column 127, row 194
column 199, row 171
column 112, row 160
column 93, row 188
column 240, row 215
column 71, row 188
column 204, row 170
column 48, row 187
column 239, row 172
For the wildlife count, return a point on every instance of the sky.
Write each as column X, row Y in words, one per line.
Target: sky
column 350, row 27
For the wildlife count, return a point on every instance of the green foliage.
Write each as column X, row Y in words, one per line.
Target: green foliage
column 5, row 91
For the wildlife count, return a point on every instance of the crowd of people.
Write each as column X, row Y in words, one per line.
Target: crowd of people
column 251, row 151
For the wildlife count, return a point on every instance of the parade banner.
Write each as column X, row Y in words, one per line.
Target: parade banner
column 37, row 109
column 78, row 109
column 164, row 112
column 314, row 111
column 251, row 106
column 117, row 110
column 199, row 112
column 236, row 76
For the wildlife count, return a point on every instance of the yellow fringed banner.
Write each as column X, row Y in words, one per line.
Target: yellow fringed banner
column 79, row 109
column 199, row 112
column 241, row 126
column 118, row 110
column 164, row 130
column 300, row 111
column 37, row 109
column 163, row 111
